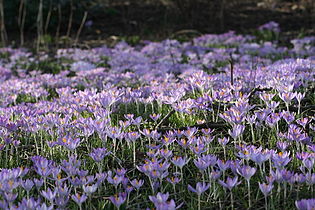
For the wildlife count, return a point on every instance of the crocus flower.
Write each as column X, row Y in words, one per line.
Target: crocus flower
column 116, row 180
column 282, row 145
column 223, row 141
column 230, row 183
column 305, row 204
column 260, row 157
column 265, row 188
column 159, row 199
column 42, row 166
column 119, row 199
column 237, row 131
column 49, row 195
column 132, row 136
column 201, row 164
column 174, row 179
column 200, row 188
column 155, row 117
column 79, row 199
column 69, row 142
column 30, row 203
column 246, row 171
column 89, row 189
column 27, row 184
column 10, row 197
column 98, row 154
column 137, row 183
column 165, row 153
column 179, row 161
column 223, row 165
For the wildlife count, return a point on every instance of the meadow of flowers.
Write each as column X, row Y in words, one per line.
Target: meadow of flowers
column 218, row 122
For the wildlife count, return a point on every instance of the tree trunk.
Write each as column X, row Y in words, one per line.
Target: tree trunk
column 4, row 38
column 39, row 25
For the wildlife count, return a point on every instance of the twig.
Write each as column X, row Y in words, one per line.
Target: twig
column 303, row 108
column 165, row 118
column 81, row 27
column 212, row 125
column 185, row 31
column 258, row 90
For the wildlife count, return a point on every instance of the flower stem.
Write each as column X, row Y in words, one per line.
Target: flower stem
column 232, row 201
column 248, row 189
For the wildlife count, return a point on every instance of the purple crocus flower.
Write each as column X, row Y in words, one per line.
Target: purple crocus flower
column 169, row 205
column 299, row 96
column 198, row 149
column 42, row 166
column 49, row 194
column 223, row 141
column 120, row 172
column 116, row 180
column 287, row 96
column 129, row 117
column 162, row 166
column 282, row 145
column 173, row 180
column 266, row 97
column 61, row 201
column 155, row 117
column 281, row 159
column 132, row 136
column 98, row 154
column 260, row 157
column 305, row 204
column 309, row 163
column 230, row 183
column 223, row 165
column 179, row 161
column 237, row 131
column 38, row 183
column 288, row 116
column 215, row 175
column 165, row 153
column 137, row 121
column 190, row 132
column 119, row 199
column 201, row 164
column 265, row 188
column 303, row 121
column 27, row 184
column 246, row 171
column 30, row 203
column 137, row 183
column 159, row 198
column 79, row 199
column 10, row 197
column 89, row 189
column 200, row 188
